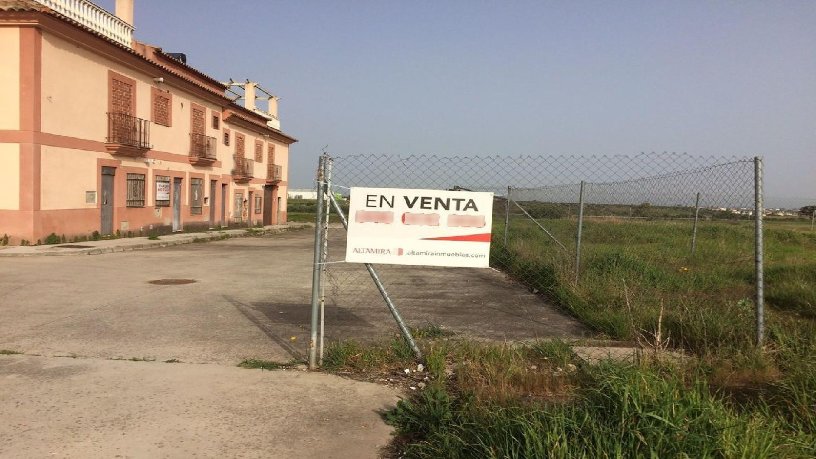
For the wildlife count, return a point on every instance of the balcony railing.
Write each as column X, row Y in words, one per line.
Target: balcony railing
column 202, row 149
column 128, row 135
column 93, row 17
column 243, row 170
column 274, row 173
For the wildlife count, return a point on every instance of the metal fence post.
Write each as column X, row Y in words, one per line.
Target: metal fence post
column 580, row 229
column 327, row 173
column 317, row 263
column 507, row 216
column 812, row 219
column 696, row 219
column 758, row 245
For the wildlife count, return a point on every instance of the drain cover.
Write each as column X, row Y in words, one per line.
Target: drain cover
column 171, row 281
column 74, row 246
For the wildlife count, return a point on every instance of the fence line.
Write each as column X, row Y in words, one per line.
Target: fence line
column 623, row 212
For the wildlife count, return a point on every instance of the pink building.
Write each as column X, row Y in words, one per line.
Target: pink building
column 99, row 132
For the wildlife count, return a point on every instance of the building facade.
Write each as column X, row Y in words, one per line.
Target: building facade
column 102, row 133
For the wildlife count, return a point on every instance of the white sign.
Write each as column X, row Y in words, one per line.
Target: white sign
column 419, row 227
column 162, row 191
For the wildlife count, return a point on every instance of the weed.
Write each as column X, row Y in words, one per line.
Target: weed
column 153, row 237
column 267, row 365
column 172, row 361
column 52, row 239
column 9, row 352
column 4, row 240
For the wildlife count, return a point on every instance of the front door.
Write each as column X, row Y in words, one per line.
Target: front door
column 267, row 205
column 176, row 204
column 250, row 207
column 213, row 185
column 106, row 200
column 239, row 207
column 223, row 205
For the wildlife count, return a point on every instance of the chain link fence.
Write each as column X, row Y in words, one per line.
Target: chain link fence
column 646, row 247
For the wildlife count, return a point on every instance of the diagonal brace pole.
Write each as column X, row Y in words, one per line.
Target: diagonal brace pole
column 406, row 333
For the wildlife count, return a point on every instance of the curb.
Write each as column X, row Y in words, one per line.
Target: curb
column 193, row 238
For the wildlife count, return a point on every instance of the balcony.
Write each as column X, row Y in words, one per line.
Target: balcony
column 274, row 174
column 127, row 135
column 202, row 150
column 93, row 17
column 243, row 170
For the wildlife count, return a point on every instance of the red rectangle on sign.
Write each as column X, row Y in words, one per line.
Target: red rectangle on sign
column 374, row 216
column 466, row 221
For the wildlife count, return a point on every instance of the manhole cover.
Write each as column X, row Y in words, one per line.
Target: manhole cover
column 171, row 281
column 74, row 246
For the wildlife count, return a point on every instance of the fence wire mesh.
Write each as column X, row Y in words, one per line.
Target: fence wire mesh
column 663, row 237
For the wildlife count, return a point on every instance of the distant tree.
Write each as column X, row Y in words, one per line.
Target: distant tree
column 807, row 210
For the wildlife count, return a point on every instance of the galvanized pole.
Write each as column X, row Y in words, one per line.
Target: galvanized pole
column 580, row 229
column 760, row 281
column 317, row 264
column 406, row 333
column 812, row 218
column 327, row 173
column 696, row 218
column 506, row 216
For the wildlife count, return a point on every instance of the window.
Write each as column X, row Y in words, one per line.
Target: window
column 216, row 122
column 258, row 151
column 239, row 145
column 258, row 202
column 226, row 137
column 135, row 190
column 162, row 106
column 196, row 195
column 162, row 191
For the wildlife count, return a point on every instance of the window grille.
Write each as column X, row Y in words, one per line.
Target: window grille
column 258, row 202
column 135, row 190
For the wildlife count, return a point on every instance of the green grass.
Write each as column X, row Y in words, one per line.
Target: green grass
column 638, row 281
column 538, row 400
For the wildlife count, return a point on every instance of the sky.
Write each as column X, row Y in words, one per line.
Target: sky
column 518, row 77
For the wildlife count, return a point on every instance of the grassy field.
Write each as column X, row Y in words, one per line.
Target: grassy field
column 639, row 283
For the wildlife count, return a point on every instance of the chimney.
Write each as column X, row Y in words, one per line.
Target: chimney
column 249, row 95
column 124, row 11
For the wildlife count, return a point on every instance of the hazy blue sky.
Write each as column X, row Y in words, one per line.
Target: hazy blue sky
column 518, row 77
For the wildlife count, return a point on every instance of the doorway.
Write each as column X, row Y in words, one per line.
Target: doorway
column 267, row 205
column 106, row 200
column 213, row 185
column 176, row 204
column 223, row 205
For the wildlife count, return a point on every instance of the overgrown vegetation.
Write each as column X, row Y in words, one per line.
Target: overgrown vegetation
column 473, row 399
column 639, row 283
column 267, row 364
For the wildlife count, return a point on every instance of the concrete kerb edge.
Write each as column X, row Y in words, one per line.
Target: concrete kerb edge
column 193, row 237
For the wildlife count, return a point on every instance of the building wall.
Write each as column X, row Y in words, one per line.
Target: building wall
column 10, row 78
column 50, row 181
column 9, row 177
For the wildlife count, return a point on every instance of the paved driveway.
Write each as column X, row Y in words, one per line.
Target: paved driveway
column 249, row 299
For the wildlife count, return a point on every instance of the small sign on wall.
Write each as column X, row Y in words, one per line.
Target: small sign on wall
column 419, row 227
column 162, row 190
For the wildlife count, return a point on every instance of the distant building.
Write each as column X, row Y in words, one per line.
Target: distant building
column 100, row 132
column 303, row 193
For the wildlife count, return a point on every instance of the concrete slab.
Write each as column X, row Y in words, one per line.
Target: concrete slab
column 88, row 408
column 250, row 299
